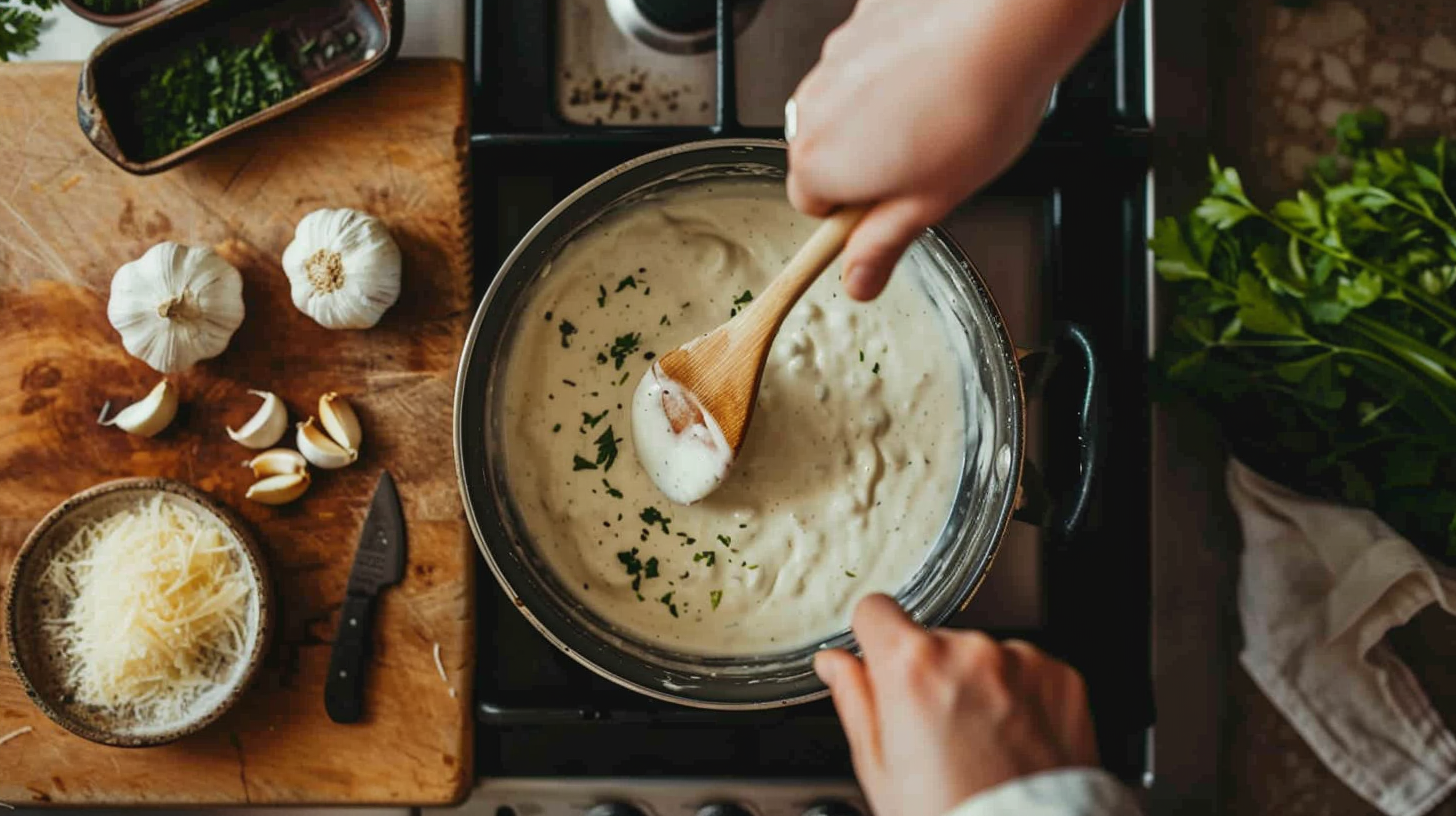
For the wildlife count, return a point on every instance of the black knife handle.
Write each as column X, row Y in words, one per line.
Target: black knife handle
column 344, row 689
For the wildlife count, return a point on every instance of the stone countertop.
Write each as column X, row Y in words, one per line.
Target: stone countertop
column 1281, row 79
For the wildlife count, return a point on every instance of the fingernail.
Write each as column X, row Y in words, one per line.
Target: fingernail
column 851, row 272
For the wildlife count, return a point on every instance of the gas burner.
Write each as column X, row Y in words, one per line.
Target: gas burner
column 677, row 26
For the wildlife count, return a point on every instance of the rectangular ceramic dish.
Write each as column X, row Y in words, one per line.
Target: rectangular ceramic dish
column 327, row 43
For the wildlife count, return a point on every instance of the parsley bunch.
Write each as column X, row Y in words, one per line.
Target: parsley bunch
column 20, row 25
column 1322, row 330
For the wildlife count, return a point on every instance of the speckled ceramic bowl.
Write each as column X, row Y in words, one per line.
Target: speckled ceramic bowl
column 32, row 653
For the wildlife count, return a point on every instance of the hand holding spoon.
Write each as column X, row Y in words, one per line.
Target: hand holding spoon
column 691, row 410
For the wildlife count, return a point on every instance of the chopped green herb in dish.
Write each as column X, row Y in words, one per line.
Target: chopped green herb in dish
column 567, row 330
column 206, row 87
column 623, row 347
column 651, row 516
column 612, row 491
column 715, row 597
column 666, row 600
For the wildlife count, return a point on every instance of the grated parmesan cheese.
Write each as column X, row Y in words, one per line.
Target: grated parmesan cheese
column 19, row 732
column 156, row 602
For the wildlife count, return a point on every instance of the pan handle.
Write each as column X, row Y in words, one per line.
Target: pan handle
column 1068, row 379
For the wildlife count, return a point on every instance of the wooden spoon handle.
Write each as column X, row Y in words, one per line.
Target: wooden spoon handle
column 771, row 306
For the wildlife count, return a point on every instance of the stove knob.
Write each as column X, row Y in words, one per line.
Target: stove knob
column 832, row 807
column 614, row 809
column 723, row 809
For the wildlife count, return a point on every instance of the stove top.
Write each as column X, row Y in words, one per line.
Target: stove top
column 1059, row 238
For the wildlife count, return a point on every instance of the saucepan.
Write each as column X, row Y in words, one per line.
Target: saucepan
column 995, row 486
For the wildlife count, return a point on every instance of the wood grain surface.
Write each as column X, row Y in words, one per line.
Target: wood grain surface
column 394, row 145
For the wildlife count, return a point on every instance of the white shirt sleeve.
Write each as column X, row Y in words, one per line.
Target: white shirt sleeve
column 1063, row 792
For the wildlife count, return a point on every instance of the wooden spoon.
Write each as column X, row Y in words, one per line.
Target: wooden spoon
column 719, row 373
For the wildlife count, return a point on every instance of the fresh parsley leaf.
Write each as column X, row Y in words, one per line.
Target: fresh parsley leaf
column 666, row 600
column 707, row 556
column 567, row 330
column 606, row 449
column 591, row 421
column 612, row 491
column 626, row 282
column 715, row 597
column 601, row 296
column 578, row 463
column 725, row 540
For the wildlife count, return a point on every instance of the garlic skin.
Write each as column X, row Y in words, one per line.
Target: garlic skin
column 320, row 450
column 280, row 489
column 266, row 426
column 176, row 305
column 277, row 462
column 149, row 415
column 343, row 267
column 339, row 420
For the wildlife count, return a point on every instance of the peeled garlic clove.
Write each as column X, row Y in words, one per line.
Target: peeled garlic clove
column 277, row 462
column 339, row 420
column 280, row 489
column 151, row 414
column 266, row 426
column 320, row 450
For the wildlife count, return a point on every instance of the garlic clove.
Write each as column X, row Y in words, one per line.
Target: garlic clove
column 320, row 450
column 339, row 420
column 148, row 416
column 266, row 426
column 277, row 462
column 280, row 489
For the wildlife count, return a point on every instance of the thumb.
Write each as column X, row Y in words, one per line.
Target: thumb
column 854, row 700
column 877, row 243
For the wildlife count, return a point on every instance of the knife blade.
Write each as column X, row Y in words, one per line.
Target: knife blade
column 378, row 563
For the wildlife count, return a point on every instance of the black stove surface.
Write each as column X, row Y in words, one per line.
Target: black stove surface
column 542, row 714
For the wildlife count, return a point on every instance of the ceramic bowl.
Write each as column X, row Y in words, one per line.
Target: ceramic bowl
column 31, row 647
column 117, row 19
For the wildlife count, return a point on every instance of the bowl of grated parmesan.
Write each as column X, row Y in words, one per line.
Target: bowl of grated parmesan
column 137, row 612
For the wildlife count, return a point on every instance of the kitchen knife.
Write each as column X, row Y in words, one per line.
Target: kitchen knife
column 378, row 563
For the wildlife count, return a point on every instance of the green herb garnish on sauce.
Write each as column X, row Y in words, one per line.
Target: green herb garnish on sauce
column 602, row 298
column 725, row 540
column 580, row 463
column 707, row 556
column 626, row 282
column 567, row 330
column 651, row 516
column 666, row 600
column 606, row 448
column 612, row 491
column 591, row 421
column 624, row 346
column 740, row 301
column 715, row 596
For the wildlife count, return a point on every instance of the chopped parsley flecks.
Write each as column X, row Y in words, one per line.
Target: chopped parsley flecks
column 571, row 383
column 606, row 449
column 601, row 296
column 567, row 330
column 623, row 347
column 591, row 421
column 649, row 568
column 876, row 369
column 626, row 282
column 739, row 302
column 664, row 321
column 850, row 574
column 725, row 540
column 548, row 317
column 612, row 491
column 666, row 600
column 601, row 358
column 751, row 566
column 715, row 596
column 707, row 556
column 625, row 375
column 556, row 428
column 579, row 463
column 650, row 356
column 633, row 565
column 651, row 516
column 861, row 355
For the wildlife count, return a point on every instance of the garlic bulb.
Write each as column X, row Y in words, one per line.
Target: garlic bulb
column 176, row 305
column 343, row 268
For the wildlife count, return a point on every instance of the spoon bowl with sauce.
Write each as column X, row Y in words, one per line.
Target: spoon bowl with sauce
column 691, row 410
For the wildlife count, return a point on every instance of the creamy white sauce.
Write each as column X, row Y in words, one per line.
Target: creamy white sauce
column 686, row 464
column 844, row 481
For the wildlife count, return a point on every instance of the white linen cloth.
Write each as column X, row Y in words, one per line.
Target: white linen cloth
column 1063, row 792
column 1319, row 586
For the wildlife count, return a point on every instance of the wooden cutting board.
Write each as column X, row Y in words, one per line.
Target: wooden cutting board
column 392, row 144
